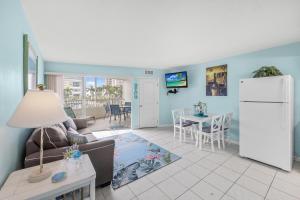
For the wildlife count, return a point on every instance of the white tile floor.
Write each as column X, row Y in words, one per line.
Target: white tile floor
column 203, row 175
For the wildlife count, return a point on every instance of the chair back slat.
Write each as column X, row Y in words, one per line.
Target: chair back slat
column 127, row 103
column 228, row 120
column 115, row 109
column 216, row 123
column 176, row 114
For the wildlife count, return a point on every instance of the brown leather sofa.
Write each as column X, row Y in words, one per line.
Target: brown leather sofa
column 100, row 152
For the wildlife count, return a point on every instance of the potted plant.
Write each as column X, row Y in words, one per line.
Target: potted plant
column 266, row 71
column 200, row 108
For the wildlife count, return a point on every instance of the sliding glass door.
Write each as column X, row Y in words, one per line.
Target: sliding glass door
column 88, row 95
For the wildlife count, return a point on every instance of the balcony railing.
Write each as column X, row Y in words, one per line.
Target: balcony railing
column 79, row 103
column 88, row 107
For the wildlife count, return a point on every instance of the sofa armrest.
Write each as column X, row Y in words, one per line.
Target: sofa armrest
column 81, row 123
column 50, row 155
column 101, row 154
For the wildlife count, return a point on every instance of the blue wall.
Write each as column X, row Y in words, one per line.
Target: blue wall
column 118, row 72
column 12, row 27
column 286, row 58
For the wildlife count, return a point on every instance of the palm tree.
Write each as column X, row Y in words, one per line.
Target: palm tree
column 113, row 92
column 67, row 92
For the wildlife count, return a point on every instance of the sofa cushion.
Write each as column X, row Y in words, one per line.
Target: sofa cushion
column 80, row 123
column 54, row 137
column 84, row 131
column 70, row 123
column 62, row 126
column 75, row 138
column 91, row 138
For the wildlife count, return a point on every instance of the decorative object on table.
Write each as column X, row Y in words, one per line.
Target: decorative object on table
column 136, row 157
column 33, row 105
column 30, row 65
column 58, row 177
column 216, row 81
column 72, row 152
column 200, row 109
column 266, row 71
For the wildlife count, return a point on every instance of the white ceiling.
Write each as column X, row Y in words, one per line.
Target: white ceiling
column 159, row 33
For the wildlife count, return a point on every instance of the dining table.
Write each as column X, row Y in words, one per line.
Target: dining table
column 199, row 122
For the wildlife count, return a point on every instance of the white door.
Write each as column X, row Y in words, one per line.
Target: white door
column 268, row 89
column 148, row 108
column 265, row 133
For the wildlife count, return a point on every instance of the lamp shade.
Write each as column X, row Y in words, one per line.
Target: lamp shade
column 38, row 109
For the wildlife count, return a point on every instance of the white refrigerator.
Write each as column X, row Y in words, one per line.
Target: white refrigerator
column 267, row 120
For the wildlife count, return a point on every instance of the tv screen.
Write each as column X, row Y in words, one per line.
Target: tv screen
column 176, row 80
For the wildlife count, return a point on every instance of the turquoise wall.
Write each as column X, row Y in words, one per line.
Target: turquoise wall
column 12, row 27
column 286, row 58
column 121, row 72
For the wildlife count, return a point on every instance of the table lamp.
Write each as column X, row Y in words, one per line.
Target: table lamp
column 38, row 108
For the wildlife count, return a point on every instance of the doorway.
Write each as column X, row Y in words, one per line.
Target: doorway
column 105, row 101
column 148, row 102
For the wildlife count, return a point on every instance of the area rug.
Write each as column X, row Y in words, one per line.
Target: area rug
column 136, row 157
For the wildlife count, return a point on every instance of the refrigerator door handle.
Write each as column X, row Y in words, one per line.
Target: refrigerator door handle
column 285, row 89
column 284, row 116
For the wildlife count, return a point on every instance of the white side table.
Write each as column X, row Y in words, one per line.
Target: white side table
column 78, row 176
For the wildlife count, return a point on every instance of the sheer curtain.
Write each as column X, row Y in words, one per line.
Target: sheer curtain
column 56, row 83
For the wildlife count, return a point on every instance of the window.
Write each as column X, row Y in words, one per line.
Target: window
column 76, row 84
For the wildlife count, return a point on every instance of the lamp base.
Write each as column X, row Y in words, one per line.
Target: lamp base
column 37, row 176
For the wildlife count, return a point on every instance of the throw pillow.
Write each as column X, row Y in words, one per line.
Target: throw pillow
column 53, row 137
column 75, row 138
column 70, row 124
column 62, row 126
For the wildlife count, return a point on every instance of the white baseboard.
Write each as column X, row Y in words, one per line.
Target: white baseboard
column 232, row 142
column 297, row 158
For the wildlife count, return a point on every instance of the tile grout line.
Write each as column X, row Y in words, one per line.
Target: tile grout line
column 231, row 170
column 202, row 179
column 185, row 168
column 270, row 185
column 234, row 183
column 288, row 194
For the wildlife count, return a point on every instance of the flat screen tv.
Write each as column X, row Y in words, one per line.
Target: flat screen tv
column 176, row 80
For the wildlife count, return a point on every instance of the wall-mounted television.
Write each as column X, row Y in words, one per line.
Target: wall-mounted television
column 176, row 80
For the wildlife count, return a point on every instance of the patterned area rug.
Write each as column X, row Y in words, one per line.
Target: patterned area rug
column 136, row 157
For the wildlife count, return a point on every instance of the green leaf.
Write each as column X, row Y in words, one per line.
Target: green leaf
column 266, row 71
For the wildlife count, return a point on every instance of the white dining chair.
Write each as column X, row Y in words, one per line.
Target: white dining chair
column 195, row 125
column 191, row 130
column 211, row 133
column 227, row 121
column 178, row 124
